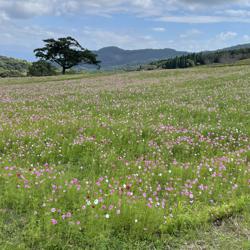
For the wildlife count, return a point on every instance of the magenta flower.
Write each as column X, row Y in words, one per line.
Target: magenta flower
column 53, row 221
column 149, row 205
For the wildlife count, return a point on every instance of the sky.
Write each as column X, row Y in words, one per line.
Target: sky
column 186, row 25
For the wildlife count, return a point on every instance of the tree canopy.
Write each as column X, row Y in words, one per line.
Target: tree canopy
column 66, row 52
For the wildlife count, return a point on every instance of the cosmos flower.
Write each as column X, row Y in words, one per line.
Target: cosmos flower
column 53, row 221
column 53, row 210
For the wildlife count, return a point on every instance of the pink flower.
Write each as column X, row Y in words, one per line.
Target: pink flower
column 74, row 181
column 68, row 215
column 149, row 205
column 53, row 221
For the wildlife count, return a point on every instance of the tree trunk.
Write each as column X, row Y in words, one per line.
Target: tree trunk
column 63, row 70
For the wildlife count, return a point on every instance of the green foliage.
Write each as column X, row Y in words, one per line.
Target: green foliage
column 66, row 52
column 204, row 58
column 10, row 67
column 11, row 73
column 41, row 68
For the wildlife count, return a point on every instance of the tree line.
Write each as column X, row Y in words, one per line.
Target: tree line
column 203, row 58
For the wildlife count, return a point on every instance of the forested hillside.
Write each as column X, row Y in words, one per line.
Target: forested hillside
column 12, row 67
column 203, row 58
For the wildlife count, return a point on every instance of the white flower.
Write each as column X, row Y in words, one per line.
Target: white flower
column 107, row 216
column 88, row 202
column 136, row 220
column 53, row 210
column 96, row 202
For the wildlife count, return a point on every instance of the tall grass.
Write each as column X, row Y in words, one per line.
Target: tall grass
column 139, row 157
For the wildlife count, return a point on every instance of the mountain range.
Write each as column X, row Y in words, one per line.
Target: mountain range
column 111, row 57
column 114, row 57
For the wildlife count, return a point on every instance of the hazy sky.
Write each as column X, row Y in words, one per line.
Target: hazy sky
column 191, row 25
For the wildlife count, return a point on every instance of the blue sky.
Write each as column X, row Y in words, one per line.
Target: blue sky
column 190, row 25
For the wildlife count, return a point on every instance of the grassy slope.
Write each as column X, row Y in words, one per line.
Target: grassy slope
column 141, row 130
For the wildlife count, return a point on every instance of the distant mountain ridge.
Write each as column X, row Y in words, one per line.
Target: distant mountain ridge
column 114, row 57
column 239, row 46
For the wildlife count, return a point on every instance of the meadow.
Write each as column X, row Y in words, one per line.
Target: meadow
column 140, row 160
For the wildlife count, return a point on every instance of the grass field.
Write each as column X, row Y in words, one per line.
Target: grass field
column 141, row 160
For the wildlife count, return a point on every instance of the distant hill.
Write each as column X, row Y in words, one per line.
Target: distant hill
column 223, row 56
column 240, row 46
column 117, row 58
column 12, row 67
column 114, row 57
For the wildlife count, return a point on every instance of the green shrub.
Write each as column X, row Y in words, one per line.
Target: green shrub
column 11, row 73
column 41, row 68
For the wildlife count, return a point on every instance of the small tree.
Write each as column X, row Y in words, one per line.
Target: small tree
column 66, row 52
column 41, row 68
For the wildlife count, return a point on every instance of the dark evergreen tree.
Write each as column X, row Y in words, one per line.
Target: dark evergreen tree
column 66, row 52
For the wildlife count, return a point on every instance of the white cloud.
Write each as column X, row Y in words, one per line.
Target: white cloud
column 225, row 36
column 23, row 33
column 98, row 38
column 236, row 13
column 159, row 29
column 246, row 38
column 26, row 36
column 190, row 33
column 3, row 18
column 197, row 19
column 179, row 11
